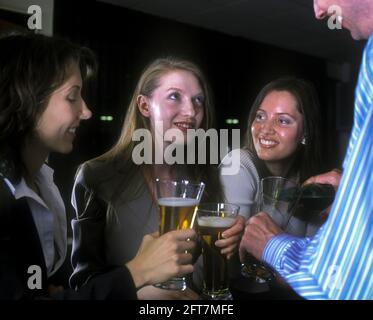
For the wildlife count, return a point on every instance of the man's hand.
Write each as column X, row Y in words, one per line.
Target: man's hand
column 161, row 258
column 232, row 237
column 332, row 177
column 259, row 230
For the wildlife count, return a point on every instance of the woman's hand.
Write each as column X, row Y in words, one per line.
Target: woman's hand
column 232, row 237
column 153, row 293
column 161, row 258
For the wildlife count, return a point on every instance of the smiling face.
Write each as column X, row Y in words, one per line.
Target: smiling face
column 177, row 102
column 277, row 128
column 55, row 129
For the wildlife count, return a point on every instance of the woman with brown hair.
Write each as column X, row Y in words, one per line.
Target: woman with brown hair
column 282, row 139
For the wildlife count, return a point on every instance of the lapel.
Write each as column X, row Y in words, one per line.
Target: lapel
column 24, row 238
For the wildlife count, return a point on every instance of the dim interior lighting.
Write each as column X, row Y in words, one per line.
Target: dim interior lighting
column 231, row 121
column 106, row 118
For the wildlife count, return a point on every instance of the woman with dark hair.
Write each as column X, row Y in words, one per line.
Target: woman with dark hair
column 304, row 160
column 41, row 108
column 115, row 198
column 282, row 139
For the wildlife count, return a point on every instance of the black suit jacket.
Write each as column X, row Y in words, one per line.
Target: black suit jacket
column 20, row 248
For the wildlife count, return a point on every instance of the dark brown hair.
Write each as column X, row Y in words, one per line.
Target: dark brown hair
column 308, row 158
column 32, row 66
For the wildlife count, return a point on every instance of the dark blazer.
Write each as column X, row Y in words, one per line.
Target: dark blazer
column 20, row 248
column 101, row 186
column 93, row 193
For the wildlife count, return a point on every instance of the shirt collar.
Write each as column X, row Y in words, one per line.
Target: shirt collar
column 44, row 178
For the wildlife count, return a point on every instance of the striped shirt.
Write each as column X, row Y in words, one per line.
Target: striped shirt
column 337, row 263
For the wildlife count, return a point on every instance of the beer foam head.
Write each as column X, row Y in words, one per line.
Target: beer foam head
column 178, row 202
column 216, row 222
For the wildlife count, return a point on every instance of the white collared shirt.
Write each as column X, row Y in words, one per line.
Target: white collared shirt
column 48, row 212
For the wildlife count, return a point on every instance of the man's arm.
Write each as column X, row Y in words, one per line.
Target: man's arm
column 267, row 242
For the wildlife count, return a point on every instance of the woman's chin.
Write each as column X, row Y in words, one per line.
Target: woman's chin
column 65, row 148
column 265, row 155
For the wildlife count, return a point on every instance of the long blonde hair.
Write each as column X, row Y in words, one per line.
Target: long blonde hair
column 148, row 82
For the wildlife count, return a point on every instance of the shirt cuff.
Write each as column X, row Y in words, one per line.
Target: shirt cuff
column 275, row 248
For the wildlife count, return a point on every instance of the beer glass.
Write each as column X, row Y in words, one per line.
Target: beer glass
column 213, row 219
column 177, row 203
column 278, row 198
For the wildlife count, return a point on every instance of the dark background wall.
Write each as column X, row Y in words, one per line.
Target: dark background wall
column 126, row 41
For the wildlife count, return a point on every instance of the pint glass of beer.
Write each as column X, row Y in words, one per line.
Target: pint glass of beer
column 213, row 220
column 177, row 204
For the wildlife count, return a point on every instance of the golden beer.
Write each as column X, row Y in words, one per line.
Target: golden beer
column 215, row 264
column 176, row 213
column 177, row 203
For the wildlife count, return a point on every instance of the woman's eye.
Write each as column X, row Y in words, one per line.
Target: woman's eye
column 199, row 101
column 259, row 117
column 71, row 99
column 174, row 96
column 283, row 121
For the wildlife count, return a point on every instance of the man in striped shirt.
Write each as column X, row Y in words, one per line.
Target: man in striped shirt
column 337, row 263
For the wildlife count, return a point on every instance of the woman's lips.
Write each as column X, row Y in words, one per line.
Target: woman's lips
column 71, row 132
column 184, row 126
column 267, row 143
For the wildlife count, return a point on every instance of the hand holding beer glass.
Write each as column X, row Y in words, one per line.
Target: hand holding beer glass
column 177, row 204
column 278, row 198
column 213, row 220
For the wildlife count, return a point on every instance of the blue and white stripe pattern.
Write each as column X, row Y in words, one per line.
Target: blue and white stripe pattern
column 337, row 263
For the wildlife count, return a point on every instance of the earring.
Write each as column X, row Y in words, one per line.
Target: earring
column 303, row 141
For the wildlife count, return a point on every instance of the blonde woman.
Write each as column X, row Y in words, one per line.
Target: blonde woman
column 114, row 197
